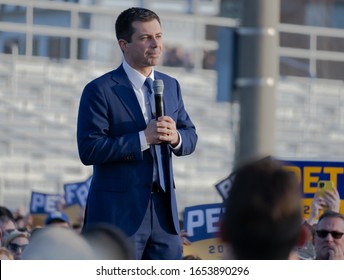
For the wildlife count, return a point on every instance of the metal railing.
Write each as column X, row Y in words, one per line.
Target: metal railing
column 188, row 31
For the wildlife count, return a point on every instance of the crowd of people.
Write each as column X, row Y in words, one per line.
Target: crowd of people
column 56, row 239
column 262, row 220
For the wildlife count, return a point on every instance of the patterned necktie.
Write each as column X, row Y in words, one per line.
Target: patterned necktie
column 149, row 84
column 158, row 172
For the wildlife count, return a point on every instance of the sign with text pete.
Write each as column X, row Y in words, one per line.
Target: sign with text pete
column 310, row 172
column 42, row 203
column 201, row 223
column 76, row 193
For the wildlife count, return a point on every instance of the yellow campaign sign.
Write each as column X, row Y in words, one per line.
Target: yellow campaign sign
column 208, row 249
column 310, row 172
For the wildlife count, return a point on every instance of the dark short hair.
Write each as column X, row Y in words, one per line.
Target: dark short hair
column 331, row 214
column 124, row 27
column 4, row 211
column 262, row 218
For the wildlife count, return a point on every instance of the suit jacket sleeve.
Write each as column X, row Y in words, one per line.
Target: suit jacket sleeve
column 174, row 107
column 106, row 132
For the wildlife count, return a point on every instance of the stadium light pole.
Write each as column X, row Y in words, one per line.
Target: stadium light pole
column 256, row 78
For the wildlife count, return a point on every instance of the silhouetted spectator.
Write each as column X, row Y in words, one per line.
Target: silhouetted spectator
column 108, row 242
column 262, row 218
column 58, row 243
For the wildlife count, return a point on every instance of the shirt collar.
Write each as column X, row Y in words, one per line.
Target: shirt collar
column 135, row 77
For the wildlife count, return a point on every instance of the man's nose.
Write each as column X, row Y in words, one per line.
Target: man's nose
column 329, row 238
column 154, row 42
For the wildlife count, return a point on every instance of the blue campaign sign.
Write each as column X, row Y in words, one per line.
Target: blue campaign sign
column 76, row 193
column 310, row 172
column 202, row 221
column 42, row 203
column 202, row 225
column 223, row 187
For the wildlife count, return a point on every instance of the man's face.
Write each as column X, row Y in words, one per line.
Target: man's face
column 145, row 48
column 7, row 226
column 326, row 245
column 17, row 247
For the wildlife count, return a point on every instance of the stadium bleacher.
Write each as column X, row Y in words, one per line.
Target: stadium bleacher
column 38, row 145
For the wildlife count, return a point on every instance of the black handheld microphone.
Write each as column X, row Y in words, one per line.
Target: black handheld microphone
column 158, row 88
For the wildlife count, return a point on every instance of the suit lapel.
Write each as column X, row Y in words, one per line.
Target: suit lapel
column 124, row 90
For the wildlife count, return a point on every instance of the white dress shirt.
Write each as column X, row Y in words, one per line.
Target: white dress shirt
column 137, row 80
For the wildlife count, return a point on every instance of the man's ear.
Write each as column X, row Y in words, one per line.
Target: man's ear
column 122, row 44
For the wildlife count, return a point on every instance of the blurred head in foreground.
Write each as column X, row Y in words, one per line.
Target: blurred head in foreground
column 58, row 243
column 108, row 242
column 262, row 218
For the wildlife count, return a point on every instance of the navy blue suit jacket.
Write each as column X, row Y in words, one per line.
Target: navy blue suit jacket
column 109, row 120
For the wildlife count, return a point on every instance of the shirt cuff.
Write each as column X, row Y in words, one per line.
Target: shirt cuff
column 143, row 141
column 177, row 148
column 145, row 146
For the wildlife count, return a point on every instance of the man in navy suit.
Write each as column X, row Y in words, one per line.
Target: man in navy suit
column 118, row 134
